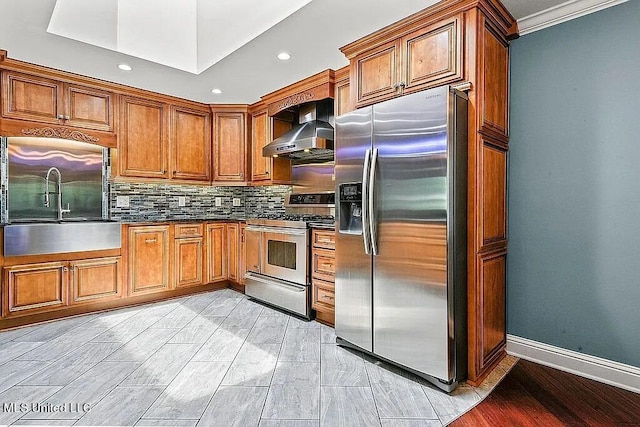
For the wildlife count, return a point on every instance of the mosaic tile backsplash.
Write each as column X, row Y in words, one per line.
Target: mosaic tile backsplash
column 158, row 202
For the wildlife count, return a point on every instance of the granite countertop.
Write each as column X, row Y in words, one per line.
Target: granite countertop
column 184, row 220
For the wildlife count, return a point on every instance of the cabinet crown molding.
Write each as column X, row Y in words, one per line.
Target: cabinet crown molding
column 494, row 10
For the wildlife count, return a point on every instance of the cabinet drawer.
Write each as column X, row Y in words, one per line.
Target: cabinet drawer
column 324, row 239
column 188, row 230
column 323, row 264
column 323, row 296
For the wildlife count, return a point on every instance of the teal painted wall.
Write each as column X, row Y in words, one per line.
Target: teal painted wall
column 574, row 185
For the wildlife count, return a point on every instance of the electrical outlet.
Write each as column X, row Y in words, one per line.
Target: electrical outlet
column 122, row 201
column 182, row 201
column 236, row 201
column 218, row 201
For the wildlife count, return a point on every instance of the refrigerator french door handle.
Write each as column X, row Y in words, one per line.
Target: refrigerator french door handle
column 372, row 206
column 366, row 231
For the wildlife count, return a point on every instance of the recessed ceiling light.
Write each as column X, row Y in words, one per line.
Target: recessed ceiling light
column 216, row 91
column 284, row 56
column 125, row 67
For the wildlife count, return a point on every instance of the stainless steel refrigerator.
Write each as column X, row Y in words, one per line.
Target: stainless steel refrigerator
column 401, row 174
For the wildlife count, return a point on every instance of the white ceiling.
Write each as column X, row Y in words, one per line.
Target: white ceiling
column 313, row 34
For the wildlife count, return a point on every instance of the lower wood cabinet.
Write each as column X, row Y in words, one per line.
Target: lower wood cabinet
column 48, row 286
column 148, row 259
column 35, row 288
column 242, row 255
column 233, row 231
column 95, row 279
column 216, row 252
column 323, row 274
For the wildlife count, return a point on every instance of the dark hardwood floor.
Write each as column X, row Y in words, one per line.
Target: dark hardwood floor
column 535, row 395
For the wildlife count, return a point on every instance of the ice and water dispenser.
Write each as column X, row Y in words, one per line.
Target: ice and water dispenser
column 350, row 199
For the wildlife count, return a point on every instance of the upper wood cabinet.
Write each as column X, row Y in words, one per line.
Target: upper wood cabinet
column 143, row 138
column 342, row 93
column 264, row 129
column 43, row 100
column 191, row 144
column 427, row 57
column 157, row 140
column 230, row 143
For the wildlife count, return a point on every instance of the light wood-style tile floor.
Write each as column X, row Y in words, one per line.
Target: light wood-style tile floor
column 212, row 359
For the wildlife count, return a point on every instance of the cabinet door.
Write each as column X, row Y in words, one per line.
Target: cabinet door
column 342, row 98
column 375, row 74
column 148, row 259
column 216, row 253
column 32, row 98
column 260, row 165
column 242, row 255
column 229, row 146
column 95, row 279
column 191, row 143
column 432, row 55
column 89, row 108
column 34, row 288
column 188, row 262
column 232, row 244
column 142, row 139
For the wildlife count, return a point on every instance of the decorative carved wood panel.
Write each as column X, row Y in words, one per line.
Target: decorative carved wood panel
column 232, row 246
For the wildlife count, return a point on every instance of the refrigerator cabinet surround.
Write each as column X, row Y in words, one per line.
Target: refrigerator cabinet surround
column 401, row 265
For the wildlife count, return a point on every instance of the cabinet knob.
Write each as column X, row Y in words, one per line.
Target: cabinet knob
column 67, row 117
column 60, row 117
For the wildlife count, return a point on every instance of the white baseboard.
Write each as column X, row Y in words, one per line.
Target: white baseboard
column 584, row 365
column 562, row 13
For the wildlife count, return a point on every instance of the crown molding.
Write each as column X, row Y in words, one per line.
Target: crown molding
column 561, row 13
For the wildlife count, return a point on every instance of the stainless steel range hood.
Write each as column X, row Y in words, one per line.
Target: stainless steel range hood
column 312, row 139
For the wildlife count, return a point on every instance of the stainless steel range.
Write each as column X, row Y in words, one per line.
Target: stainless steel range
column 277, row 256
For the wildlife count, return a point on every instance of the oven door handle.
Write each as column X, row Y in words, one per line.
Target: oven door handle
column 271, row 281
column 273, row 230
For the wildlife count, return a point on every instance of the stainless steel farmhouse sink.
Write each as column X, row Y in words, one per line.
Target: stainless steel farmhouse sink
column 69, row 235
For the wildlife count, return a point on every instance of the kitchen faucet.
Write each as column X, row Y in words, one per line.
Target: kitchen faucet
column 46, row 193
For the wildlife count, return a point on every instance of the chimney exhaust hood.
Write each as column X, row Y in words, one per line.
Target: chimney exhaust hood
column 310, row 140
